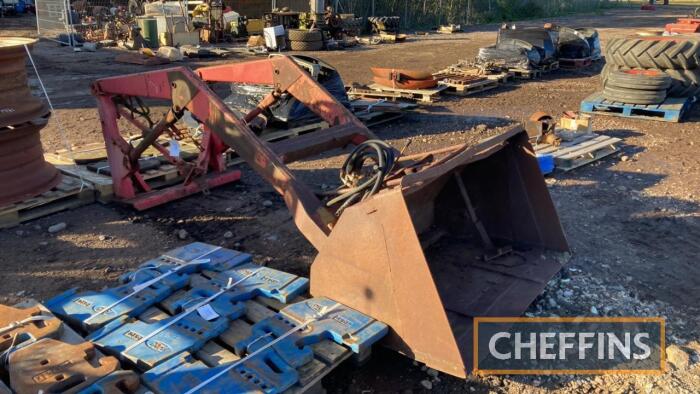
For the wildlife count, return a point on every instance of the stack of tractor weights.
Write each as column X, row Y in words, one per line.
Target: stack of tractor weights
column 199, row 318
column 23, row 171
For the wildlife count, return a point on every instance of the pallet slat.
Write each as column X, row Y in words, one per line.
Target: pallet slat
column 379, row 91
column 70, row 193
column 671, row 110
column 585, row 149
column 469, row 88
column 166, row 174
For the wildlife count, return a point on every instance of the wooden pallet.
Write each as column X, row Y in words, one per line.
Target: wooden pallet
column 392, row 94
column 502, row 78
column 575, row 63
column 467, row 89
column 372, row 119
column 671, row 110
column 521, row 73
column 581, row 151
column 68, row 194
column 102, row 183
column 166, row 174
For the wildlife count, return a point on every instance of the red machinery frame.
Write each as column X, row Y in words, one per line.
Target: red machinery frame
column 188, row 90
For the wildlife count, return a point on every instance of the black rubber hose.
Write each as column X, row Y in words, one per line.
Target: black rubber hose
column 360, row 182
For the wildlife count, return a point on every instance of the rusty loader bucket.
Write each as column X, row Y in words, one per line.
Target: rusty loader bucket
column 445, row 237
column 458, row 240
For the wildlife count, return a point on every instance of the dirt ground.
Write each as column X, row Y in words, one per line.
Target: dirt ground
column 632, row 219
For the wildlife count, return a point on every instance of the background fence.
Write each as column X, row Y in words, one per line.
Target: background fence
column 428, row 13
column 53, row 20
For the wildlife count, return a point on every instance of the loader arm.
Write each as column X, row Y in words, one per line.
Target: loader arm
column 188, row 90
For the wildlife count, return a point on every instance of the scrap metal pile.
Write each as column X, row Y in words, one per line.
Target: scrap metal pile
column 199, row 318
column 538, row 47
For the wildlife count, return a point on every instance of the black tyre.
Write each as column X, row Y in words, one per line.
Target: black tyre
column 684, row 83
column 304, row 35
column 306, row 45
column 639, row 79
column 634, row 96
column 674, row 53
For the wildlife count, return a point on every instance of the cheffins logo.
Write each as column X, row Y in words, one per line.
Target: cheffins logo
column 582, row 345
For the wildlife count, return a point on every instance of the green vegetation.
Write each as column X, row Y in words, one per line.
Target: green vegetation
column 430, row 13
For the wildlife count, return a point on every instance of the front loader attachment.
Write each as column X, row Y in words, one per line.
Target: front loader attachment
column 459, row 239
column 424, row 243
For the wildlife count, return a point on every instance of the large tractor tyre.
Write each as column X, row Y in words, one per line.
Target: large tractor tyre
column 306, row 45
column 673, row 53
column 684, row 83
column 639, row 79
column 634, row 96
column 304, row 35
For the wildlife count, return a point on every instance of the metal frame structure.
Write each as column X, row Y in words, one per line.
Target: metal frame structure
column 188, row 91
column 54, row 12
column 450, row 235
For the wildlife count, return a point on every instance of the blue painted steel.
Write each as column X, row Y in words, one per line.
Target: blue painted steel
column 112, row 383
column 77, row 308
column 220, row 259
column 266, row 373
column 266, row 282
column 188, row 334
column 267, row 330
column 343, row 325
column 671, row 110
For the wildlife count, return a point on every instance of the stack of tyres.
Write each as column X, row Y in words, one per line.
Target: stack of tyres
column 678, row 57
column 305, row 40
column 636, row 86
column 385, row 24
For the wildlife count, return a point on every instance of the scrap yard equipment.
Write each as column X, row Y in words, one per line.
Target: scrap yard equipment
column 423, row 242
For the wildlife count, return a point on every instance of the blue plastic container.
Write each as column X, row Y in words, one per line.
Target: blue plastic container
column 546, row 163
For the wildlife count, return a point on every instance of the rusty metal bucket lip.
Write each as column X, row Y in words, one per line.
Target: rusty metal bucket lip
column 413, row 84
column 463, row 155
column 14, row 42
column 386, row 72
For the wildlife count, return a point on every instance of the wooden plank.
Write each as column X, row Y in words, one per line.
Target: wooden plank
column 469, row 89
column 257, row 312
column 592, row 148
column 152, row 315
column 237, row 331
column 329, row 351
column 308, row 373
column 671, row 110
column 69, row 194
column 213, row 354
column 585, row 149
column 376, row 90
column 564, row 149
column 522, row 73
